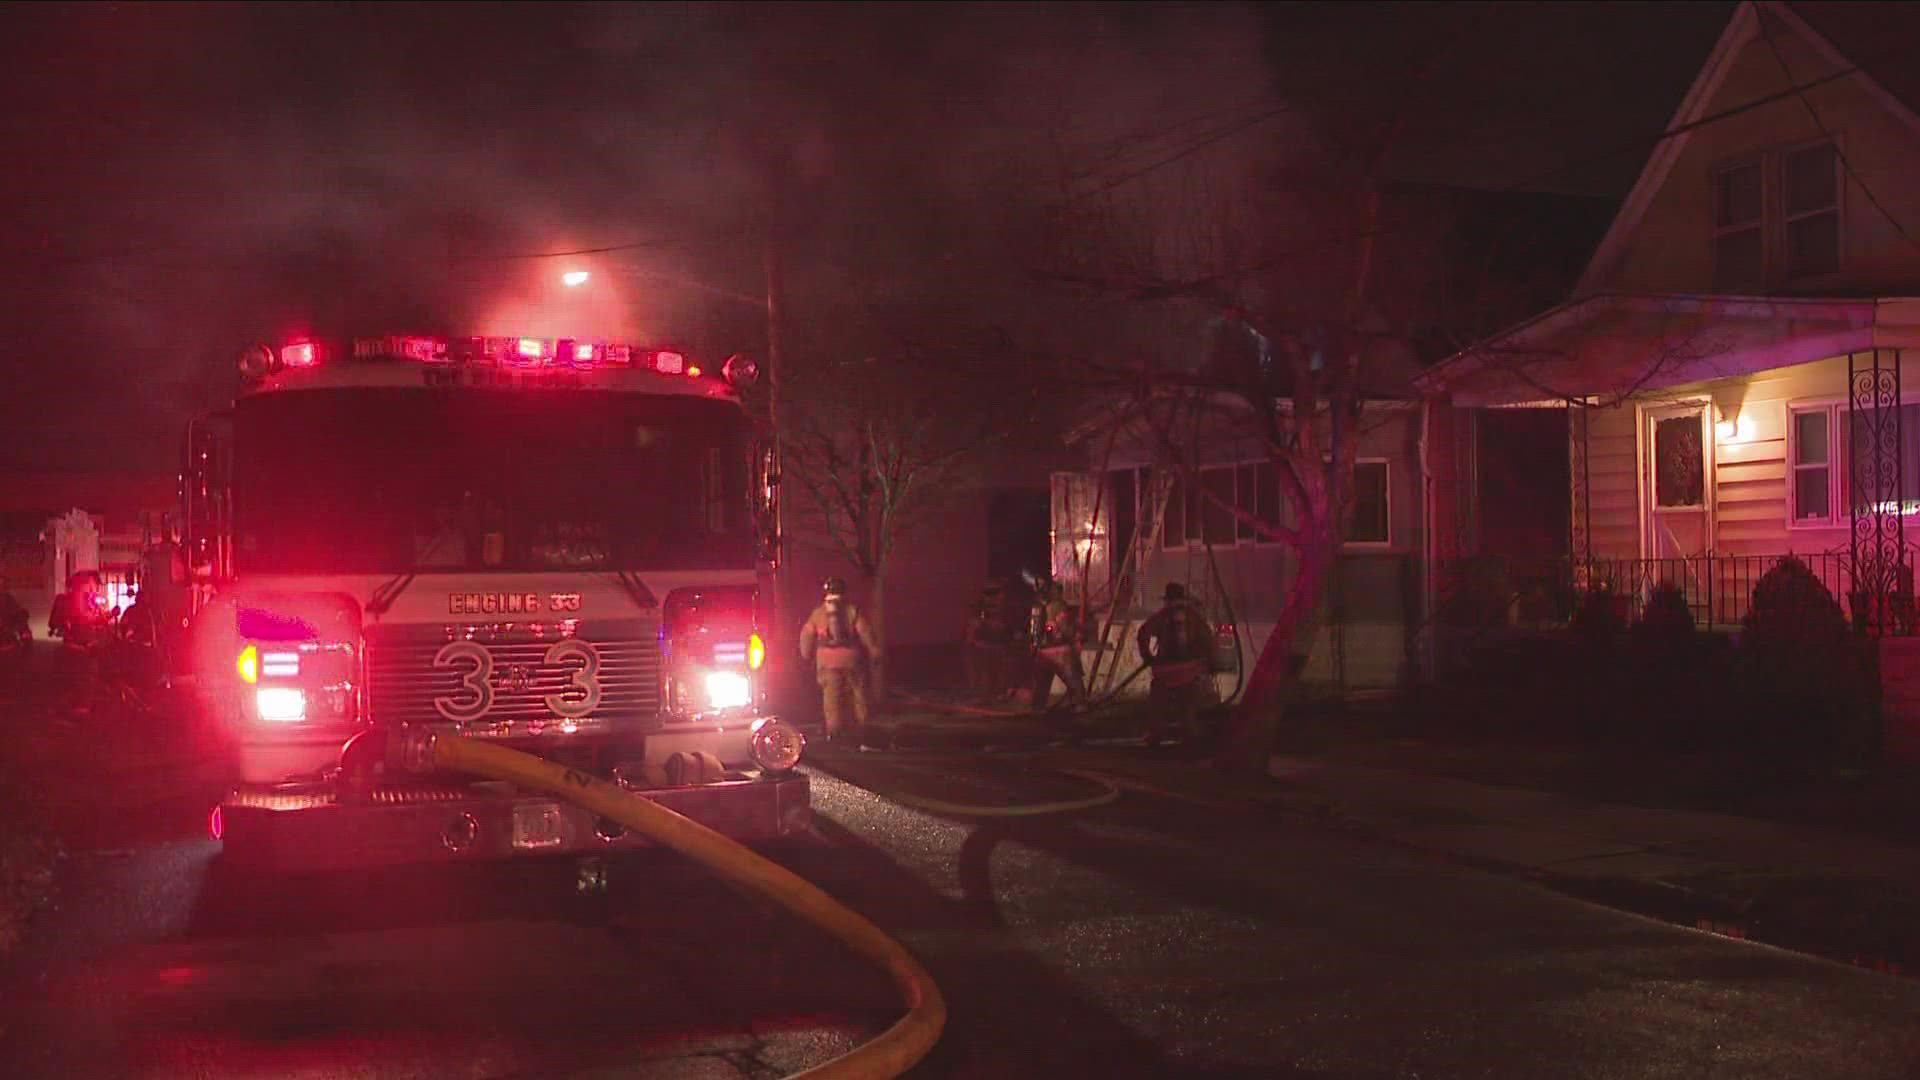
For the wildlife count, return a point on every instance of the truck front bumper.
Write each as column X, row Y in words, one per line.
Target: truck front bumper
column 317, row 831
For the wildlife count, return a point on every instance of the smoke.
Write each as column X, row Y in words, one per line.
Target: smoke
column 210, row 175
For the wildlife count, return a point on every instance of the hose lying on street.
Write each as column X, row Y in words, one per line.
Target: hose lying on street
column 891, row 1053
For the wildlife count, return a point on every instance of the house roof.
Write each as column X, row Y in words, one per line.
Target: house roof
column 1859, row 25
column 1601, row 344
column 1601, row 348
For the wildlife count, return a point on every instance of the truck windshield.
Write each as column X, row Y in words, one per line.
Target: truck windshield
column 392, row 479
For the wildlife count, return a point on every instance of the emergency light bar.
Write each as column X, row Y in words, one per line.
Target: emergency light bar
column 512, row 352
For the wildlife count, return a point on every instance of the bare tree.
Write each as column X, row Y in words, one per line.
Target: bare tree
column 881, row 444
column 1315, row 312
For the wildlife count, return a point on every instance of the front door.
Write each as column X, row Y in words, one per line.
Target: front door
column 1678, row 481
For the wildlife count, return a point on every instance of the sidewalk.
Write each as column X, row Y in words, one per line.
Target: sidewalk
column 1849, row 898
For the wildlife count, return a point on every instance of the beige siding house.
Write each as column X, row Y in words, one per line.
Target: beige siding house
column 1740, row 363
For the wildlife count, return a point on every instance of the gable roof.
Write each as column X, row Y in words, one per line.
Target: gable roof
column 1855, row 25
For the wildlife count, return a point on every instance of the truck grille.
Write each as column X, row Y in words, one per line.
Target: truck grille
column 403, row 681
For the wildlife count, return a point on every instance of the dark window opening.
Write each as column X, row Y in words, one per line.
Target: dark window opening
column 1216, row 517
column 1370, row 504
column 1680, row 463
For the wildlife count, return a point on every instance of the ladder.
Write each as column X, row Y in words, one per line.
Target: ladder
column 1139, row 550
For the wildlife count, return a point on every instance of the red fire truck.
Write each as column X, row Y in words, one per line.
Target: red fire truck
column 556, row 544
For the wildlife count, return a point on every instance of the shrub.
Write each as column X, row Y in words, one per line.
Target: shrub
column 1667, row 617
column 1807, row 685
column 1597, row 621
column 1663, row 691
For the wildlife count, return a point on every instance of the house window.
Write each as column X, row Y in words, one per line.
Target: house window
column 1372, row 505
column 1679, row 463
column 1812, row 459
column 1173, row 532
column 1266, row 495
column 1739, row 236
column 1246, row 486
column 1123, row 495
column 1860, row 443
column 1220, row 505
column 1217, row 505
column 1810, row 196
column 1776, row 218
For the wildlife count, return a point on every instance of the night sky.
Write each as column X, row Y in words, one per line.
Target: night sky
column 187, row 178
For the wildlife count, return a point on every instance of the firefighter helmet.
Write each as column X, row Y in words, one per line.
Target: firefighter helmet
column 834, row 587
column 1175, row 591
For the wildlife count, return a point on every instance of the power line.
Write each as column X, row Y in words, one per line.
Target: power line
column 1185, row 152
column 1760, row 18
column 1119, row 149
column 1524, row 184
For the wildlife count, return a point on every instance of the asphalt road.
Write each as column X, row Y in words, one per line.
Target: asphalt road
column 1146, row 938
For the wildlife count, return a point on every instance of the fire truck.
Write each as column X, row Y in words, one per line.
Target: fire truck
column 556, row 544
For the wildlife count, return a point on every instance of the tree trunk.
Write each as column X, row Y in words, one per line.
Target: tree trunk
column 1255, row 722
column 877, row 620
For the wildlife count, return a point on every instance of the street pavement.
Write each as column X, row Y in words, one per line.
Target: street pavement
column 1152, row 937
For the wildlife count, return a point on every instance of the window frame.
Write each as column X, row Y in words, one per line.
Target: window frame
column 1840, row 451
column 1774, row 219
column 1745, row 161
column 1836, row 411
column 1838, row 209
column 1195, row 506
column 1386, row 496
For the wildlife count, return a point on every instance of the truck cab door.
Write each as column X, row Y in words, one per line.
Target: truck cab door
column 766, row 503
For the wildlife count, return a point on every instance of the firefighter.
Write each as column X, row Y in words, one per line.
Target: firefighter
column 1053, row 629
column 987, row 639
column 838, row 640
column 80, row 614
column 1176, row 643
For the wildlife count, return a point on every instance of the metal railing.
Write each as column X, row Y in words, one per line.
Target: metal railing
column 1718, row 589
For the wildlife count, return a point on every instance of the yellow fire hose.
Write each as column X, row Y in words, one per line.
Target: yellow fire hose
column 894, row 1051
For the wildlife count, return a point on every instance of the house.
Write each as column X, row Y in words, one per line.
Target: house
column 1125, row 524
column 1132, row 524
column 1738, row 368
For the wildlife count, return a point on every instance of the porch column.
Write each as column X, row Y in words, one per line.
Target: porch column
column 1878, row 531
column 1579, row 520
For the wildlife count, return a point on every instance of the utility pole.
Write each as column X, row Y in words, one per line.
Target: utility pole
column 783, row 616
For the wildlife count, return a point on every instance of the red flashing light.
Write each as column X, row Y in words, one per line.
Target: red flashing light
column 583, row 352
column 693, row 371
column 669, row 363
column 531, row 348
column 619, row 354
column 300, row 354
column 216, row 824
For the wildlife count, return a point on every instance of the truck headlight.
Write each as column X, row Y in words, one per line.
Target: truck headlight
column 777, row 745
column 728, row 690
column 282, row 703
